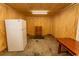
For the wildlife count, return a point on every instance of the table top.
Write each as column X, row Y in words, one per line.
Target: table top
column 71, row 44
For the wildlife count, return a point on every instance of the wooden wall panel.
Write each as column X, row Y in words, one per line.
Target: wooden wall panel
column 45, row 22
column 6, row 13
column 65, row 22
column 2, row 28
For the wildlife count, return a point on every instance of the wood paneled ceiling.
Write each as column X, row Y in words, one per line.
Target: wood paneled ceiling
column 26, row 7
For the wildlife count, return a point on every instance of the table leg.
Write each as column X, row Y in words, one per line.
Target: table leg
column 59, row 49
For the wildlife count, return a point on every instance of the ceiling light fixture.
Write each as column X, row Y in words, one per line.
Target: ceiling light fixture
column 39, row 11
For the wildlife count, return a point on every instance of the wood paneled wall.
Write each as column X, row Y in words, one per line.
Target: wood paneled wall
column 64, row 23
column 6, row 13
column 45, row 22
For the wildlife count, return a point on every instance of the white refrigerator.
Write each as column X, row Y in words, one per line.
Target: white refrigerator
column 16, row 34
column 77, row 31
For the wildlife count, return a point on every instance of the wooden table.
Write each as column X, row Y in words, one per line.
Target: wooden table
column 71, row 45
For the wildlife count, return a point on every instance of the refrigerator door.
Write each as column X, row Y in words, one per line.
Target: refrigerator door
column 77, row 33
column 14, row 35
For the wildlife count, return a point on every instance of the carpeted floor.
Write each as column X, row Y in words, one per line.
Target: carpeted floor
column 38, row 47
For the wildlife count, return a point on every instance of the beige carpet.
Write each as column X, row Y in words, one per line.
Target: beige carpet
column 38, row 47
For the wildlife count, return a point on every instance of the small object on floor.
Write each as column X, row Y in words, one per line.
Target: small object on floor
column 50, row 49
column 36, row 54
column 37, row 41
column 38, row 37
